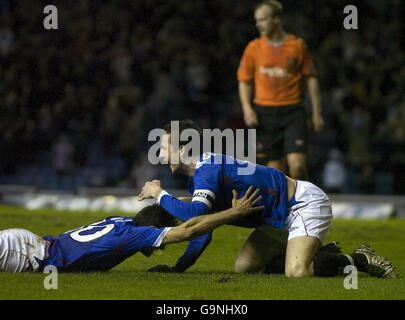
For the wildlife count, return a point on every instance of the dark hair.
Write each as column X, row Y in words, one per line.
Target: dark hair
column 155, row 216
column 183, row 125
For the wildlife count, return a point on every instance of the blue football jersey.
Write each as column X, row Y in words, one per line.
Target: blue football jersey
column 101, row 245
column 216, row 175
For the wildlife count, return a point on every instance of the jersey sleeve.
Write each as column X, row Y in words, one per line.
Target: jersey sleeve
column 194, row 250
column 246, row 69
column 181, row 209
column 207, row 179
column 145, row 237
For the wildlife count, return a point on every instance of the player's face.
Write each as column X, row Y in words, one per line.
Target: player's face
column 164, row 152
column 168, row 154
column 265, row 22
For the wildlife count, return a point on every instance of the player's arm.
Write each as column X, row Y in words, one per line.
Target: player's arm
column 245, row 76
column 201, row 225
column 309, row 71
column 186, row 199
column 245, row 97
column 207, row 179
column 180, row 209
column 195, row 247
column 315, row 96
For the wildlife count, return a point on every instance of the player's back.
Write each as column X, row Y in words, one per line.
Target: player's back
column 220, row 174
column 101, row 245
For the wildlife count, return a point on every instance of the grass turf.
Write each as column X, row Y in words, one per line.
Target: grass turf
column 212, row 276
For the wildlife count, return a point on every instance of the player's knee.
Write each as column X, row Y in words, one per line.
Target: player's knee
column 245, row 266
column 241, row 266
column 298, row 270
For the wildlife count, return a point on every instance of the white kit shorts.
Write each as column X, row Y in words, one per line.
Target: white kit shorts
column 310, row 215
column 19, row 249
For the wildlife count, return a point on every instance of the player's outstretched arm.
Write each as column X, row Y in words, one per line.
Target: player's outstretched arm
column 183, row 209
column 200, row 225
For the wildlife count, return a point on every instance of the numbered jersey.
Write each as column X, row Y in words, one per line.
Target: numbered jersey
column 102, row 245
column 216, row 175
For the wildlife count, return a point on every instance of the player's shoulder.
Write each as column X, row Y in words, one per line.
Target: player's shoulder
column 208, row 159
column 295, row 40
column 256, row 42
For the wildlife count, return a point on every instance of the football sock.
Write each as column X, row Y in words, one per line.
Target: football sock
column 360, row 261
column 328, row 264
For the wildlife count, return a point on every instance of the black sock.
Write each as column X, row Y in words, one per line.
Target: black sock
column 360, row 261
column 328, row 264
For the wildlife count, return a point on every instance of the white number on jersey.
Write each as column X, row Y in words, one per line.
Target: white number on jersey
column 97, row 234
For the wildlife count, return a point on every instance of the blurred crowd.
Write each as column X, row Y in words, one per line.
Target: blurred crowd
column 86, row 95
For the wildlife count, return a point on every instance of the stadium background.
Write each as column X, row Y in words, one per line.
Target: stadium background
column 77, row 103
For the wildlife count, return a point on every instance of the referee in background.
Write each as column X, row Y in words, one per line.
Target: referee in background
column 271, row 68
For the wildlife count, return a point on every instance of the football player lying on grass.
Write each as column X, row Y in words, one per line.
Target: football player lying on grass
column 103, row 245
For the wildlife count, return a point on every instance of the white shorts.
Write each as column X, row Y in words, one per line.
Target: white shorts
column 310, row 216
column 19, row 249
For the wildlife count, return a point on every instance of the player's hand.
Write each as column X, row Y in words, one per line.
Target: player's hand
column 248, row 202
column 162, row 268
column 317, row 122
column 151, row 189
column 250, row 117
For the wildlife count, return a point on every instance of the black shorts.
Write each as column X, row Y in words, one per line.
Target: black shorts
column 282, row 130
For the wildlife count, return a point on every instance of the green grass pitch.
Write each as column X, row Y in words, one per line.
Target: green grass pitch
column 212, row 276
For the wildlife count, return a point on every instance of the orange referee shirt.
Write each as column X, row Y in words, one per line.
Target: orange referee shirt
column 276, row 70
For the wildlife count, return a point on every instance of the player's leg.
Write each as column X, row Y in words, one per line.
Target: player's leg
column 328, row 264
column 295, row 141
column 297, row 168
column 269, row 136
column 20, row 249
column 277, row 164
column 263, row 245
column 277, row 265
column 299, row 256
column 308, row 223
column 304, row 259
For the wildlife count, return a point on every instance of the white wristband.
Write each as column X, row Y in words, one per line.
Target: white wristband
column 161, row 194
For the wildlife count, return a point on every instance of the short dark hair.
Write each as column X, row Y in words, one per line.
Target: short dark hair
column 155, row 216
column 183, row 125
